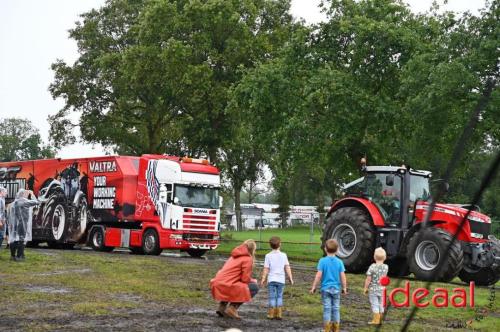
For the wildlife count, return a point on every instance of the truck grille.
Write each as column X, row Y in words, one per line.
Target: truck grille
column 197, row 236
column 480, row 228
column 195, row 222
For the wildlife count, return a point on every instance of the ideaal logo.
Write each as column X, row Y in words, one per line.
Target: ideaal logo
column 422, row 297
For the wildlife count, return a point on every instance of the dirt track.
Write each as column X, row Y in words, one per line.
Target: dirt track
column 81, row 290
column 146, row 314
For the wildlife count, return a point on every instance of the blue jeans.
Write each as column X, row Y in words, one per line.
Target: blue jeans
column 331, row 305
column 275, row 290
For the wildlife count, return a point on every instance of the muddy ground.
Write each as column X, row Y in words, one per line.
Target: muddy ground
column 81, row 290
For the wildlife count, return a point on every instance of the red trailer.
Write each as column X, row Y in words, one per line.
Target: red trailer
column 146, row 203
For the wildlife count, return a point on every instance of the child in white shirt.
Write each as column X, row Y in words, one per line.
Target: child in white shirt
column 275, row 266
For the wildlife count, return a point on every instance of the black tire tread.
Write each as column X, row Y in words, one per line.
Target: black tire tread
column 455, row 257
column 363, row 226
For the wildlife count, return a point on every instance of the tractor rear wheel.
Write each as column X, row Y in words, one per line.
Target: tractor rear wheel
column 426, row 252
column 484, row 276
column 352, row 228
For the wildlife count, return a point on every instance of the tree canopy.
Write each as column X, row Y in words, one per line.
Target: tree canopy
column 20, row 140
column 245, row 84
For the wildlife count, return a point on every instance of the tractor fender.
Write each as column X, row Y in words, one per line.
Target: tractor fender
column 362, row 203
column 46, row 192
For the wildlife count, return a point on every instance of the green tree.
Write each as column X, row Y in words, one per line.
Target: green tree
column 154, row 76
column 20, row 140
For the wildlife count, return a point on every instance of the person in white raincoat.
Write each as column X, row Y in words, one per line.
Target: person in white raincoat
column 20, row 221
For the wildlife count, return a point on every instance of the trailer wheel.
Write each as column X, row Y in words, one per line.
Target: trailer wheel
column 196, row 252
column 426, row 252
column 151, row 243
column 484, row 276
column 96, row 240
column 352, row 228
column 55, row 215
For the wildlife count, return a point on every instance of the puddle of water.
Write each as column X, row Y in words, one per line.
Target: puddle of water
column 47, row 289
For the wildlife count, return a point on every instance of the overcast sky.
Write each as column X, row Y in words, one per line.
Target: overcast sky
column 34, row 33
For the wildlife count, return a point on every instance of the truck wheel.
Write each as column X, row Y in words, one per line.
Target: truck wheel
column 151, row 243
column 196, row 252
column 96, row 240
column 484, row 276
column 353, row 230
column 55, row 215
column 426, row 252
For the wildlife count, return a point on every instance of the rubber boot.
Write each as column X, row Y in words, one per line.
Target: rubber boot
column 232, row 311
column 13, row 248
column 374, row 319
column 20, row 251
column 279, row 313
column 271, row 313
column 221, row 309
column 335, row 327
column 328, row 326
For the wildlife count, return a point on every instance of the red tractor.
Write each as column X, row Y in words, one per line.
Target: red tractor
column 387, row 207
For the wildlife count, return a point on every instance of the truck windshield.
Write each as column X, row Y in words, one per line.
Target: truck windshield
column 197, row 196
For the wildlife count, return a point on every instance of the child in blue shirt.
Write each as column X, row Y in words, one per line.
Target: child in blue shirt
column 331, row 273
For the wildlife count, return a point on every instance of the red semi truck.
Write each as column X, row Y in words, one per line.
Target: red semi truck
column 146, row 203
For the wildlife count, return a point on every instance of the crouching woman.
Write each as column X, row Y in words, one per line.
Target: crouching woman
column 233, row 284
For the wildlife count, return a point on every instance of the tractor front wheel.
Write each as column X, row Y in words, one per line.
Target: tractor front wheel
column 484, row 276
column 426, row 255
column 352, row 228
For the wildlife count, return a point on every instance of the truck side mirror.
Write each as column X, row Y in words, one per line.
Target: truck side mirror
column 176, row 200
column 389, row 180
column 220, row 202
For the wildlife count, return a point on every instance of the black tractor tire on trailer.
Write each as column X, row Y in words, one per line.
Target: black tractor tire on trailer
column 426, row 251
column 151, row 242
column 55, row 215
column 352, row 228
column 485, row 276
column 197, row 253
column 96, row 240
column 81, row 219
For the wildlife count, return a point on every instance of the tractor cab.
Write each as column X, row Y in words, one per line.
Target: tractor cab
column 390, row 189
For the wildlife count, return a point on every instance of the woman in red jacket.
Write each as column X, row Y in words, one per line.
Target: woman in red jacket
column 233, row 283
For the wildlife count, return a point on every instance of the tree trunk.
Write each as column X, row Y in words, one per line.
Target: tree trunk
column 237, row 207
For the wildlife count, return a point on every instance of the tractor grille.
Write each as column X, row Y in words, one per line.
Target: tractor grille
column 480, row 228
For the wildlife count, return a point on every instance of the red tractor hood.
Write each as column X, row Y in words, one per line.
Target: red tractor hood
column 456, row 210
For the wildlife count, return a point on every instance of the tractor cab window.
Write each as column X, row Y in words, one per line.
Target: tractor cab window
column 386, row 197
column 419, row 188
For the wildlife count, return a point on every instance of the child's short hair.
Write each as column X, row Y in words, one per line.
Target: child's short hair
column 331, row 246
column 379, row 254
column 275, row 242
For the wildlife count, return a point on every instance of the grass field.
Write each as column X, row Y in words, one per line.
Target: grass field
column 76, row 290
column 300, row 250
